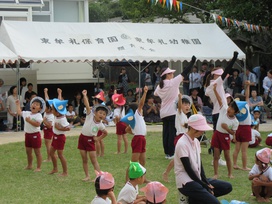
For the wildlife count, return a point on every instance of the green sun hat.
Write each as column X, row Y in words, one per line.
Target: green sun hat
column 136, row 170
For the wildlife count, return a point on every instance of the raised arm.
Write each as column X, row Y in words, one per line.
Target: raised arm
column 247, row 83
column 59, row 94
column 179, row 102
column 230, row 65
column 189, row 67
column 86, row 102
column 142, row 101
column 46, row 97
column 219, row 99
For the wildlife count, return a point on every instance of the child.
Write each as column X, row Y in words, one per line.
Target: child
column 181, row 122
column 138, row 129
column 268, row 140
column 155, row 192
column 243, row 133
column 60, row 126
column 71, row 116
column 256, row 117
column 104, row 185
column 88, row 137
column 255, row 136
column 226, row 124
column 99, row 144
column 129, row 193
column 261, row 176
column 119, row 101
column 33, row 120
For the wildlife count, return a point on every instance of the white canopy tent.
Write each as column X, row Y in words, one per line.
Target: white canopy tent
column 6, row 55
column 66, row 42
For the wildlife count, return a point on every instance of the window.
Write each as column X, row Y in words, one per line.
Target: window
column 30, row 1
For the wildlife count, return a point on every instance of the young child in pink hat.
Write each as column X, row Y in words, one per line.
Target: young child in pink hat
column 119, row 102
column 104, row 185
column 261, row 176
column 155, row 193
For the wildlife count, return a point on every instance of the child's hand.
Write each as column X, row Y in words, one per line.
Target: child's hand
column 214, row 86
column 84, row 92
column 224, row 126
column 45, row 90
column 59, row 91
column 27, row 119
column 180, row 95
column 247, row 82
column 145, row 89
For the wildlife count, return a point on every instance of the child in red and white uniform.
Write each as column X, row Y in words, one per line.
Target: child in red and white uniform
column 88, row 137
column 226, row 124
column 60, row 126
column 255, row 136
column 33, row 120
column 119, row 112
column 181, row 124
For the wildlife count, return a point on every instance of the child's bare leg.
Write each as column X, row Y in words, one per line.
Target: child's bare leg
column 167, row 171
column 94, row 161
column 102, row 147
column 228, row 161
column 119, row 143
column 216, row 157
column 29, row 158
column 54, row 160
column 256, row 190
column 39, row 159
column 84, row 157
column 98, row 148
column 47, row 143
column 235, row 155
column 125, row 143
column 63, row 163
column 244, row 148
column 268, row 194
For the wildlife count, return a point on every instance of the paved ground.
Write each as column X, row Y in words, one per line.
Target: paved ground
column 8, row 137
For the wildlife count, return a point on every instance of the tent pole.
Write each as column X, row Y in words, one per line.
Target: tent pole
column 18, row 88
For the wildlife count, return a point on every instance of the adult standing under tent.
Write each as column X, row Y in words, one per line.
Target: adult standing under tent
column 168, row 91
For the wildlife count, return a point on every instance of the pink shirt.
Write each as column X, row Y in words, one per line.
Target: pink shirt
column 169, row 94
column 186, row 147
column 220, row 90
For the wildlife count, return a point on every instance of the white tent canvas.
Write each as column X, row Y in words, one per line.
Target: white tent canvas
column 66, row 42
column 6, row 55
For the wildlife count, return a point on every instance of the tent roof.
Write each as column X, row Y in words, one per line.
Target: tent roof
column 6, row 55
column 64, row 42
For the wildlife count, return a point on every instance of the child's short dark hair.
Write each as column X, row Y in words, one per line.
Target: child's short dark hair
column 185, row 100
column 48, row 105
column 99, row 191
column 38, row 101
column 234, row 106
column 133, row 106
column 69, row 104
column 102, row 109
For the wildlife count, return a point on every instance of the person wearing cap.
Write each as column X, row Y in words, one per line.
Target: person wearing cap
column 189, row 172
column 130, row 193
column 227, row 125
column 255, row 135
column 155, row 193
column 181, row 124
column 119, row 102
column 104, row 186
column 255, row 117
column 168, row 91
column 60, row 126
column 89, row 135
column 261, row 176
column 33, row 120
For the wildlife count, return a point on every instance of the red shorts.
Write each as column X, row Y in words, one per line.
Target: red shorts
column 257, row 142
column 243, row 133
column 33, row 140
column 58, row 141
column 268, row 141
column 86, row 143
column 138, row 144
column 99, row 133
column 177, row 138
column 48, row 133
column 221, row 140
column 121, row 128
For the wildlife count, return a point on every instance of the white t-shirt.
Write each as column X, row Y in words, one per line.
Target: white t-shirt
column 254, row 134
column 50, row 118
column 169, row 94
column 63, row 122
column 118, row 113
column 255, row 170
column 186, row 147
column 220, row 90
column 28, row 128
column 91, row 127
column 232, row 123
column 99, row 200
column 140, row 126
column 70, row 113
column 180, row 120
column 128, row 194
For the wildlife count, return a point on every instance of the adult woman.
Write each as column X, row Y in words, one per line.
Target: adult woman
column 151, row 111
column 123, row 81
column 156, row 77
column 168, row 91
column 234, row 83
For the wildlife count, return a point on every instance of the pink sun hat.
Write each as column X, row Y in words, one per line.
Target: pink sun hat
column 198, row 122
column 218, row 72
column 167, row 71
column 106, row 180
column 155, row 192
column 228, row 95
column 118, row 99
column 264, row 155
